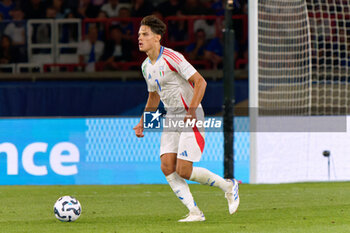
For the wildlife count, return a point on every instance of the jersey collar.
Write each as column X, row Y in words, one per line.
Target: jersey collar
column 160, row 54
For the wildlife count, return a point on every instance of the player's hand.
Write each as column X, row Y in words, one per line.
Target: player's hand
column 139, row 130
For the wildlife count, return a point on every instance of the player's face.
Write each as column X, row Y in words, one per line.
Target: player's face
column 147, row 39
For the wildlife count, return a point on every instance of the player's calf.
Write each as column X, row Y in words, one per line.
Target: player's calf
column 184, row 168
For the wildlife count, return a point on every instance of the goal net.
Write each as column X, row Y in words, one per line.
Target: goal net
column 303, row 57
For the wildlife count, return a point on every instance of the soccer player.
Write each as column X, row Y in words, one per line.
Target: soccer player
column 173, row 80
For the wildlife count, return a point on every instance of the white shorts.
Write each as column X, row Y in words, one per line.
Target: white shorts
column 188, row 145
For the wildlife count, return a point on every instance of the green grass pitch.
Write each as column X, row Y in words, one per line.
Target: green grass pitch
column 304, row 207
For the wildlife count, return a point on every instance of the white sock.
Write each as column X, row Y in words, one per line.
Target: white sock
column 182, row 191
column 204, row 176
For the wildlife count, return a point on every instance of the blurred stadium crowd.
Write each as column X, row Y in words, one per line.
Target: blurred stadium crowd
column 96, row 35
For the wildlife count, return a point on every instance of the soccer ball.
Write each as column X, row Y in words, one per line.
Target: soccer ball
column 67, row 209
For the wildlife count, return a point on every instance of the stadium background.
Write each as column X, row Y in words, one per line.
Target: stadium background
column 48, row 95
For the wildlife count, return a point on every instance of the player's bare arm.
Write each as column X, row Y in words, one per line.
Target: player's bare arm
column 199, row 89
column 151, row 105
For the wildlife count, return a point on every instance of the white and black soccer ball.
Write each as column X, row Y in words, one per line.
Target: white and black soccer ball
column 67, row 209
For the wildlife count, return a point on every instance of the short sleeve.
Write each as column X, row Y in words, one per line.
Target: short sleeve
column 186, row 70
column 150, row 88
column 177, row 62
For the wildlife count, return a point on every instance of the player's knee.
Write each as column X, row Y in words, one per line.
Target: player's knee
column 167, row 169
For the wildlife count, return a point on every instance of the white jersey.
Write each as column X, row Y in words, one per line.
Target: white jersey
column 169, row 78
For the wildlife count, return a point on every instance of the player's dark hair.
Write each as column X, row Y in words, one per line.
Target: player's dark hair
column 157, row 26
